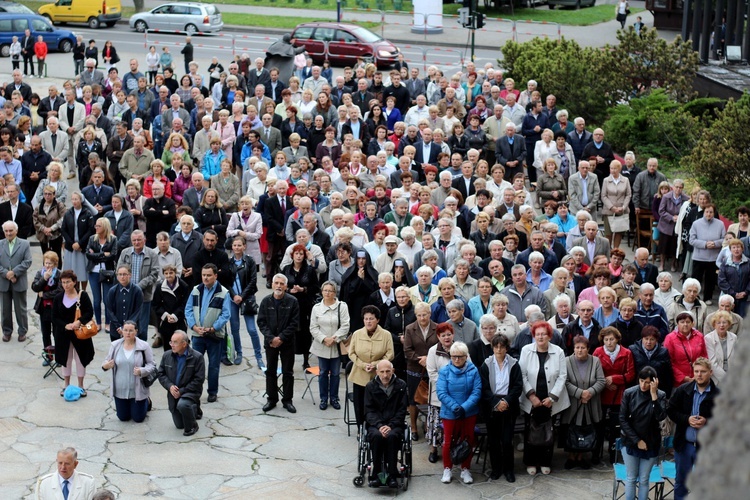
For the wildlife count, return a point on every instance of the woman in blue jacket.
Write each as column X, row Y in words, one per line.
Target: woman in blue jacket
column 459, row 389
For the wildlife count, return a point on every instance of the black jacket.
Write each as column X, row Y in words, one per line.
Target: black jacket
column 191, row 381
column 219, row 258
column 659, row 361
column 631, row 333
column 85, row 225
column 356, row 292
column 171, row 302
column 681, row 409
column 248, row 277
column 24, row 218
column 95, row 253
column 515, row 388
column 156, row 221
column 640, row 416
column 188, row 249
column 382, row 409
column 278, row 321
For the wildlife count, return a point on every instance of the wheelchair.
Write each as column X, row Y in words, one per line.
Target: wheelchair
column 364, row 460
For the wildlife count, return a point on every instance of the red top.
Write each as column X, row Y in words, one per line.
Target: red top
column 40, row 50
column 622, row 372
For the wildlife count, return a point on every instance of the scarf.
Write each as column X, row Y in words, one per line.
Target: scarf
column 612, row 355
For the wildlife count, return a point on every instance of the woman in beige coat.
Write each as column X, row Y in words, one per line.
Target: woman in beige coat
column 615, row 196
column 329, row 326
column 369, row 345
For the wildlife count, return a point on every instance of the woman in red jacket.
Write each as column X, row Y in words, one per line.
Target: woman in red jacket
column 40, row 50
column 619, row 373
column 685, row 344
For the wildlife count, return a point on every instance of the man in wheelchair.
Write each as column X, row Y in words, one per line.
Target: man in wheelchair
column 385, row 415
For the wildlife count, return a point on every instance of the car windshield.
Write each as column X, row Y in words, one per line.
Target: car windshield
column 366, row 35
column 17, row 8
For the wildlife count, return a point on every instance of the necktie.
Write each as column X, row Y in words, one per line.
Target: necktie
column 54, row 140
column 283, row 206
column 65, row 490
column 268, row 135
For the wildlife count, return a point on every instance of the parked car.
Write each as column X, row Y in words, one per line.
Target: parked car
column 15, row 8
column 191, row 17
column 346, row 42
column 94, row 13
column 571, row 3
column 16, row 24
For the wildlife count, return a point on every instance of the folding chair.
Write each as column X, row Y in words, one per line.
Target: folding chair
column 644, row 223
column 621, row 475
column 668, row 468
column 349, row 420
column 481, row 446
column 279, row 383
column 311, row 374
column 48, row 354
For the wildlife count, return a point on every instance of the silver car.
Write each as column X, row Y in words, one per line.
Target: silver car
column 192, row 17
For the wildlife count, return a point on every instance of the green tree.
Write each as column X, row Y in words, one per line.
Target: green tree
column 654, row 125
column 721, row 158
column 647, row 60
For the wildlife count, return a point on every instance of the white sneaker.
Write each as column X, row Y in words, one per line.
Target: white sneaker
column 446, row 476
column 466, row 476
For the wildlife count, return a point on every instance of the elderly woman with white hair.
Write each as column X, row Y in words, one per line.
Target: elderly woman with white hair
column 466, row 286
column 582, row 217
column 536, row 276
column 559, row 285
column 409, row 247
column 526, row 224
column 447, row 289
column 726, row 303
column 562, row 304
column 481, row 348
column 424, row 290
column 419, row 337
column 665, row 294
column 464, row 329
column 688, row 302
column 254, row 180
column 507, row 324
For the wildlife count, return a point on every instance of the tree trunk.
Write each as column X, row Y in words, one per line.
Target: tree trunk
column 138, row 5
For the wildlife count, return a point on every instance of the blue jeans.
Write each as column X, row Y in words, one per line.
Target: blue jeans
column 638, row 470
column 100, row 291
column 684, row 461
column 234, row 325
column 131, row 409
column 214, row 349
column 143, row 321
column 329, row 379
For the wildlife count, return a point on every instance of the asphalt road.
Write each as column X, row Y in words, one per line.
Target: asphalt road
column 225, row 45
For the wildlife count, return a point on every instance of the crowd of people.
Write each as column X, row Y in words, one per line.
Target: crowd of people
column 448, row 224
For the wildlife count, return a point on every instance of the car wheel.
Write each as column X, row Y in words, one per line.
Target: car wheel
column 93, row 23
column 111, row 24
column 551, row 7
column 5, row 50
column 66, row 46
column 140, row 26
column 191, row 29
column 578, row 4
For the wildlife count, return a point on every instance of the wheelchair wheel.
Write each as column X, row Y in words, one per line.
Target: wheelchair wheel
column 358, row 481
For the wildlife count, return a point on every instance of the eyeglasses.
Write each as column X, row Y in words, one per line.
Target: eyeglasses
column 458, row 357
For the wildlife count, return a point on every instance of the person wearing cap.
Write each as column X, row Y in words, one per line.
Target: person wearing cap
column 384, row 263
column 685, row 344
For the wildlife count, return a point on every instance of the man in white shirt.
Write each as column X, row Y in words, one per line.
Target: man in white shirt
column 418, row 112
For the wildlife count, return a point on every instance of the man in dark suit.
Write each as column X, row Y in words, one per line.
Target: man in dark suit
column 274, row 210
column 508, row 205
column 415, row 85
column 20, row 213
column 270, row 135
column 579, row 138
column 647, row 272
column 184, row 385
column 259, row 75
column 532, row 127
column 592, row 242
column 362, row 97
column 34, row 164
column 193, row 196
column 116, row 147
column 19, row 85
column 603, row 154
column 27, row 52
column 134, row 112
column 274, row 87
column 50, row 105
column 338, row 91
column 465, row 183
column 98, row 193
column 510, row 152
column 427, row 150
column 355, row 126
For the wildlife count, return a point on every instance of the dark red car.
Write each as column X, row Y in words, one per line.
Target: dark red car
column 343, row 44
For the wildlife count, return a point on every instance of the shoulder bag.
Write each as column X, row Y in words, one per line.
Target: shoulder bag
column 88, row 330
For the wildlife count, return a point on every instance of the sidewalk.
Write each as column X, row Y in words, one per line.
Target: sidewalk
column 397, row 27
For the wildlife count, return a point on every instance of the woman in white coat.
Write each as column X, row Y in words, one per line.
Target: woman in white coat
column 329, row 326
column 544, row 374
column 248, row 224
column 543, row 149
column 720, row 345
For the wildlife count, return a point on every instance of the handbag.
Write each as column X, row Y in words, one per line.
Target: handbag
column 249, row 307
column 106, row 275
column 581, row 438
column 619, row 223
column 85, row 331
column 421, row 394
column 540, row 433
column 460, row 450
column 149, row 379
